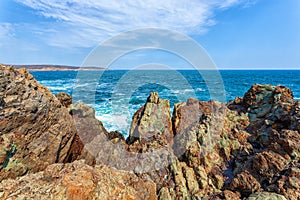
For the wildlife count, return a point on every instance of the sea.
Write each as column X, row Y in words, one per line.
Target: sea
column 117, row 94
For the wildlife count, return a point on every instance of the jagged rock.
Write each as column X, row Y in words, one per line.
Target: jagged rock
column 288, row 183
column 64, row 98
column 245, row 183
column 116, row 136
column 206, row 136
column 226, row 194
column 191, row 179
column 259, row 95
column 151, row 125
column 150, row 139
column 91, row 135
column 78, row 181
column 229, row 195
column 265, row 196
column 270, row 106
column 267, row 164
column 274, row 139
column 250, row 147
column 164, row 194
column 35, row 129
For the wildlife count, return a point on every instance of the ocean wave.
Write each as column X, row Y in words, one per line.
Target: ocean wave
column 82, row 85
column 115, row 122
column 200, row 90
column 111, row 95
column 58, row 81
column 105, row 85
column 58, row 88
column 183, row 91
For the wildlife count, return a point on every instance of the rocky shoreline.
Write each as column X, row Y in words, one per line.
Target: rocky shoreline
column 52, row 148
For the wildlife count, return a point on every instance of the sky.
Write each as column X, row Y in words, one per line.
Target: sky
column 237, row 34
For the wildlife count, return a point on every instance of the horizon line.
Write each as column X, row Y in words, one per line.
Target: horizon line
column 217, row 68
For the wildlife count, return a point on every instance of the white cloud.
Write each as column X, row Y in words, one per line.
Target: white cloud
column 6, row 32
column 86, row 23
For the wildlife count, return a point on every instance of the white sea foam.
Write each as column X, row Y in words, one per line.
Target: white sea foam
column 57, row 88
column 115, row 122
column 200, row 89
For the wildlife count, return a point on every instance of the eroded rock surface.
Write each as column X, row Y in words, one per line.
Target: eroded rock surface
column 151, row 125
column 274, row 139
column 35, row 129
column 78, row 181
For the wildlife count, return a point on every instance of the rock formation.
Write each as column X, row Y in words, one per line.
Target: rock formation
column 78, row 181
column 245, row 149
column 151, row 125
column 38, row 129
column 35, row 130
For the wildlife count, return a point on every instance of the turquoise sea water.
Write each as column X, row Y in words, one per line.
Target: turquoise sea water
column 120, row 93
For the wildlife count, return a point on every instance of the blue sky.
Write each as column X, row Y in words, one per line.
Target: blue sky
column 237, row 34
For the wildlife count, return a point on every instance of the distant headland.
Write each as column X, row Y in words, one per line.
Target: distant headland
column 46, row 67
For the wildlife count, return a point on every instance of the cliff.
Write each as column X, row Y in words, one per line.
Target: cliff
column 35, row 130
column 54, row 149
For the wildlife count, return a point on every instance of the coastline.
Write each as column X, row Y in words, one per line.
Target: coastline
column 247, row 148
column 46, row 67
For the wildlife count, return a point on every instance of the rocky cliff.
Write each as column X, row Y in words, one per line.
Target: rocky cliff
column 35, row 129
column 248, row 148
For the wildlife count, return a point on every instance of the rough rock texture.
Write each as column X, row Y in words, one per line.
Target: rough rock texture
column 92, row 142
column 206, row 136
column 78, row 181
column 228, row 151
column 88, row 129
column 151, row 124
column 64, row 98
column 35, row 129
column 265, row 196
column 274, row 139
column 149, row 145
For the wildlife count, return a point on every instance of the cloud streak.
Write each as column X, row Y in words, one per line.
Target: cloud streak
column 6, row 32
column 86, row 23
